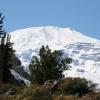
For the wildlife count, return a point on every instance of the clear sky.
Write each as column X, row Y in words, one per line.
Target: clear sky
column 81, row 15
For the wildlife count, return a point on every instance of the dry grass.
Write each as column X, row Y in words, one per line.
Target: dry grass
column 44, row 92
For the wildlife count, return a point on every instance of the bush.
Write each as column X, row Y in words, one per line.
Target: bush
column 63, row 97
column 36, row 92
column 7, row 97
column 97, row 97
column 44, row 92
column 76, row 86
column 5, row 87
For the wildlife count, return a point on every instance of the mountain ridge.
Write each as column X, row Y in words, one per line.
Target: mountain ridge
column 53, row 27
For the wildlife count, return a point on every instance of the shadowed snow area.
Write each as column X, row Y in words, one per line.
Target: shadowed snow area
column 85, row 51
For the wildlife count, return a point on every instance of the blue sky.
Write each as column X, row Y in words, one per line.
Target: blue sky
column 81, row 15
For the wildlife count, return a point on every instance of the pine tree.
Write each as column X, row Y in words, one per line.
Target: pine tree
column 2, row 32
column 49, row 66
column 6, row 53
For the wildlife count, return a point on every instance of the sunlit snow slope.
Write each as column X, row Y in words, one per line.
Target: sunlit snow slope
column 85, row 51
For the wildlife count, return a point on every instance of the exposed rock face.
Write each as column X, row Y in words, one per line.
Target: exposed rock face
column 18, row 75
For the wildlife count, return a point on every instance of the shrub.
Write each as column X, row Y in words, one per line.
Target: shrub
column 7, row 97
column 87, row 97
column 76, row 86
column 35, row 93
column 63, row 97
column 5, row 87
column 97, row 97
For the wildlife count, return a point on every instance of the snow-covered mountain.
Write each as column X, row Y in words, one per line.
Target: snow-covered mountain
column 85, row 51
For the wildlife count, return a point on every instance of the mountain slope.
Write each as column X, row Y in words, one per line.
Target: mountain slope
column 85, row 51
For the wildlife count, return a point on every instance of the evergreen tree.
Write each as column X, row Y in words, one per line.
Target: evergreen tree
column 48, row 66
column 6, row 53
column 2, row 32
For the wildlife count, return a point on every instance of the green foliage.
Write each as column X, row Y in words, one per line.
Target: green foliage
column 1, row 24
column 1, row 41
column 76, row 86
column 44, row 92
column 48, row 66
column 6, row 53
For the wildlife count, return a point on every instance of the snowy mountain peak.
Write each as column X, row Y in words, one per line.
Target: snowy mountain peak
column 85, row 51
column 54, row 33
column 53, row 36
